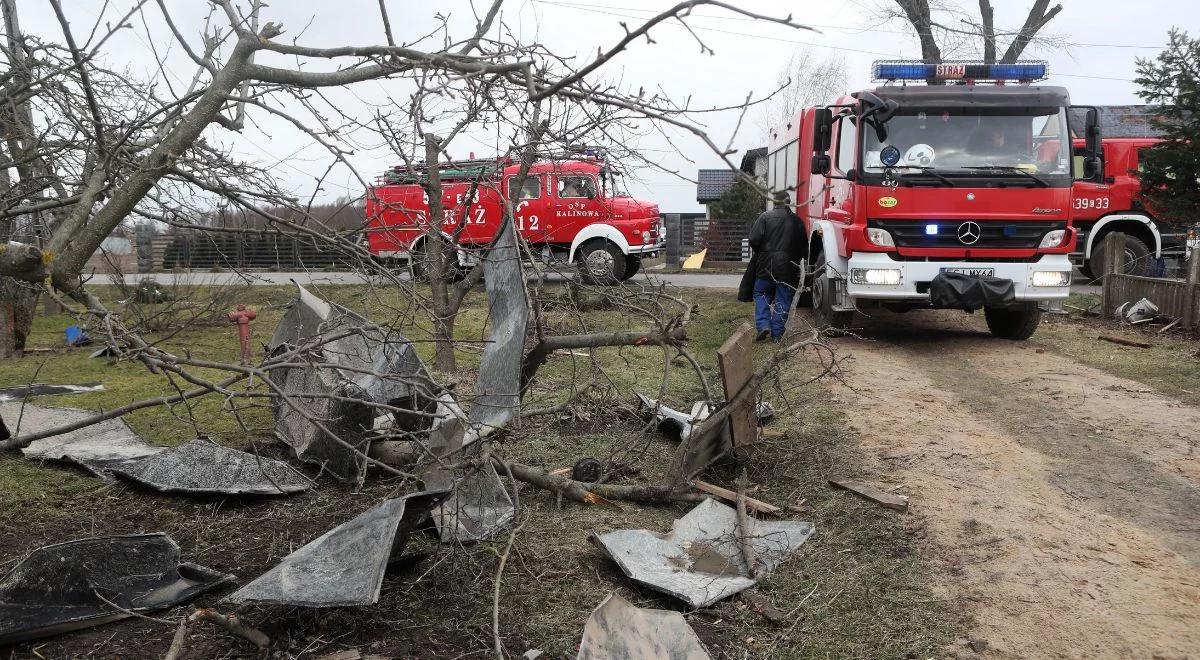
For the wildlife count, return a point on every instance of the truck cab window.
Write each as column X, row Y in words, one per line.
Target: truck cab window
column 576, row 186
column 531, row 189
column 846, row 142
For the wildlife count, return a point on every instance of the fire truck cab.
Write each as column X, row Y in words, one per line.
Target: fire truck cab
column 570, row 209
column 934, row 196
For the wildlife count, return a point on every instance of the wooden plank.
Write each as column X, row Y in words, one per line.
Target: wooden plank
column 1124, row 342
column 889, row 500
column 737, row 367
column 757, row 506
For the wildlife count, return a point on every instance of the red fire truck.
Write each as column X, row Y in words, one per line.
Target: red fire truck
column 572, row 208
column 920, row 196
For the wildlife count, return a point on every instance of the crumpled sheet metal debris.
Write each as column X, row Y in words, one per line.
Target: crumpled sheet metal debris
column 53, row 590
column 201, row 466
column 20, row 392
column 345, row 565
column 700, row 561
column 1142, row 310
column 365, row 366
column 92, row 447
column 480, row 505
column 618, row 630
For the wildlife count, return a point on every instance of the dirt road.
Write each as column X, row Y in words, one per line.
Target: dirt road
column 1062, row 504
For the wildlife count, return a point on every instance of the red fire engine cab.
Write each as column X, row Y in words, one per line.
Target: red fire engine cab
column 572, row 208
column 934, row 196
column 1112, row 202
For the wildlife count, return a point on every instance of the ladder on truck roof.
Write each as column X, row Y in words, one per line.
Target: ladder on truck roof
column 481, row 168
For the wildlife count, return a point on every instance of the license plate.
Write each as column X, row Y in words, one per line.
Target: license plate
column 973, row 272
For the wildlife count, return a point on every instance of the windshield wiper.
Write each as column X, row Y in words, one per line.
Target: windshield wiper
column 1012, row 168
column 930, row 172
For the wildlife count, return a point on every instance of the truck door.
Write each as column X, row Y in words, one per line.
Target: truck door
column 531, row 205
column 577, row 204
column 1092, row 198
column 839, row 197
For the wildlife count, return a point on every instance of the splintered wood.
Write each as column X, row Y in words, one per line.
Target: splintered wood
column 867, row 491
column 737, row 368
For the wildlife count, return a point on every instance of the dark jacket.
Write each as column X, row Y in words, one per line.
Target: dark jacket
column 779, row 244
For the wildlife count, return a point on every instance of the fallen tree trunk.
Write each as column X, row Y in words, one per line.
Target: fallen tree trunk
column 536, row 357
column 585, row 493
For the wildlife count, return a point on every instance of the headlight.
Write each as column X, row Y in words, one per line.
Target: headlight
column 1053, row 239
column 645, row 237
column 885, row 276
column 1051, row 278
column 880, row 237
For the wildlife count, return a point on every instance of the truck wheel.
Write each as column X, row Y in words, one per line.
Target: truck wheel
column 1017, row 324
column 600, row 262
column 632, row 266
column 822, row 298
column 1137, row 256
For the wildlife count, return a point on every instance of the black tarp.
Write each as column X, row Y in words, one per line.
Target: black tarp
column 970, row 292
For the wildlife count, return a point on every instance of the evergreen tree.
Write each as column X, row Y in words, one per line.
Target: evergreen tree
column 1171, row 169
column 740, row 202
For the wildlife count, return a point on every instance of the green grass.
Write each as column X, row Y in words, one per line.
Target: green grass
column 859, row 588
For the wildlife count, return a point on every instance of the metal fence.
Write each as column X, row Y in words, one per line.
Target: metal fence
column 1176, row 298
column 265, row 250
column 724, row 239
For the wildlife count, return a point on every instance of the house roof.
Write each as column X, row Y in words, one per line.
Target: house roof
column 1119, row 121
column 711, row 184
column 750, row 157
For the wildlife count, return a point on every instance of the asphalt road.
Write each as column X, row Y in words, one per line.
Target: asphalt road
column 306, row 278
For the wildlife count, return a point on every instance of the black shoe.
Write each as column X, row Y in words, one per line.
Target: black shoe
column 763, row 335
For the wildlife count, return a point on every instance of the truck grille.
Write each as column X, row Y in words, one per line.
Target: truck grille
column 992, row 233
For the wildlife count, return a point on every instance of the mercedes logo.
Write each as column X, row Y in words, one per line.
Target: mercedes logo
column 968, row 233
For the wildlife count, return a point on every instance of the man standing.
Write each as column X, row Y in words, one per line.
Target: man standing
column 780, row 248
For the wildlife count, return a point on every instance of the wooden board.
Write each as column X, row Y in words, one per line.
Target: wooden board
column 889, row 500
column 757, row 506
column 737, row 367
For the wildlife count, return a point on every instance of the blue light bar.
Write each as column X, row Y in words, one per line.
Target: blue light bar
column 960, row 70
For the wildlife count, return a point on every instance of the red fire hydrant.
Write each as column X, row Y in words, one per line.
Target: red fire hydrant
column 243, row 317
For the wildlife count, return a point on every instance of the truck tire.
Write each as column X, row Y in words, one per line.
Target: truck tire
column 600, row 262
column 822, row 298
column 632, row 266
column 1137, row 256
column 1016, row 323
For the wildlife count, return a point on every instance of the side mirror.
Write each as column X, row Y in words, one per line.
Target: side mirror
column 821, row 164
column 852, row 174
column 822, row 130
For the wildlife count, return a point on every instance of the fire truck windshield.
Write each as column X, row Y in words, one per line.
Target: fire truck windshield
column 1004, row 142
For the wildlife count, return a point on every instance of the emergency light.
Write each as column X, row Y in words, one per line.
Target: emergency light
column 960, row 70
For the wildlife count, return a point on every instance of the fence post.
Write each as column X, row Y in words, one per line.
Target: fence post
column 1114, row 260
column 673, row 240
column 1190, row 320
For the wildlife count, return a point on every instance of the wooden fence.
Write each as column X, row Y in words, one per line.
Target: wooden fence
column 1177, row 298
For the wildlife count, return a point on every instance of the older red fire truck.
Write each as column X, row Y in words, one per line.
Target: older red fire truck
column 934, row 195
column 572, row 208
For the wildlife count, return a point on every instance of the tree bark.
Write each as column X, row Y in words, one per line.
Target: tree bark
column 1037, row 19
column 440, row 258
column 595, row 493
column 917, row 12
column 987, row 19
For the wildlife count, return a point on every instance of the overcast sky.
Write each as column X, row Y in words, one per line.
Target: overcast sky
column 1096, row 43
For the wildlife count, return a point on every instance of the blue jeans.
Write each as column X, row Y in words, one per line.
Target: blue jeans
column 772, row 303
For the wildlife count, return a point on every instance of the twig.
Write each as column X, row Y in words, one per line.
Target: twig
column 233, row 624
column 131, row 612
column 177, row 641
column 743, row 528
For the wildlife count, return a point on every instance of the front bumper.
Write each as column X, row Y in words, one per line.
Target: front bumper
column 649, row 247
column 915, row 277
